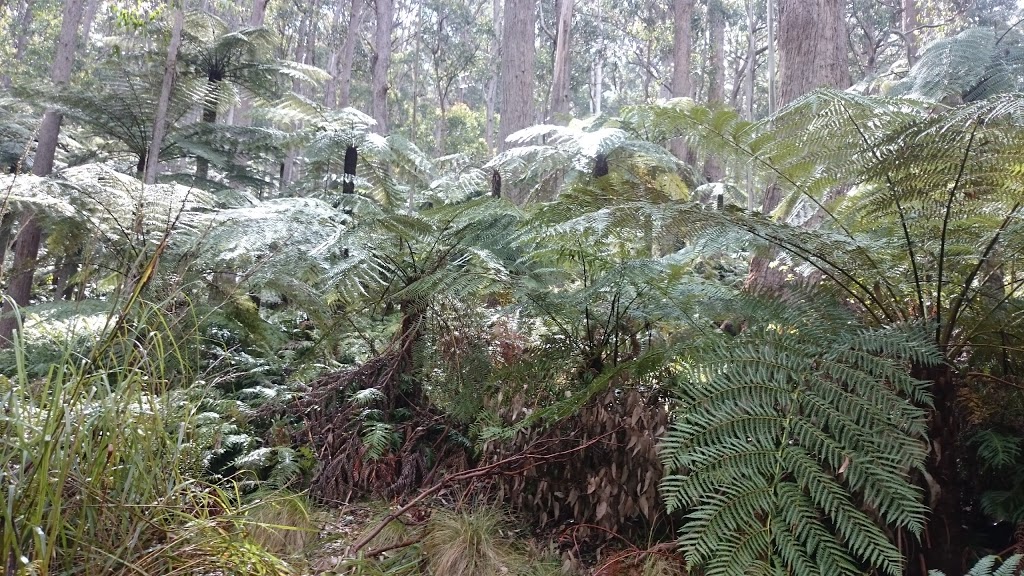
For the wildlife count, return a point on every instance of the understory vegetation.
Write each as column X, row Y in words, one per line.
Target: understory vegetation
column 386, row 367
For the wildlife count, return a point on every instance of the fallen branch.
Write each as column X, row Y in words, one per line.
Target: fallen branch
column 529, row 457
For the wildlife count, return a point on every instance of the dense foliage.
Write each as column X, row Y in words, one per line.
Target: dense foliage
column 631, row 369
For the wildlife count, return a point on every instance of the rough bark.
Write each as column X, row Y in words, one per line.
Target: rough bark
column 559, row 106
column 518, row 51
column 812, row 54
column 385, row 12
column 160, row 121
column 713, row 171
column 30, row 235
column 812, row 47
column 945, row 541
column 682, row 52
column 209, row 116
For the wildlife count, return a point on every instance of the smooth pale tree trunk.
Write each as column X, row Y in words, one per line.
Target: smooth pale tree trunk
column 558, row 108
column 518, row 51
column 597, row 70
column 682, row 53
column 31, row 233
column 91, row 9
column 348, row 51
column 307, row 33
column 166, row 86
column 910, row 34
column 491, row 96
column 385, row 12
column 333, row 58
column 242, row 116
column 713, row 171
column 258, row 14
column 772, row 85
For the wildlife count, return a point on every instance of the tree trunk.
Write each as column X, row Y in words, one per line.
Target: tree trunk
column 812, row 47
column 160, row 122
column 331, row 86
column 713, row 171
column 210, row 117
column 518, row 51
column 682, row 52
column 597, row 68
column 21, row 42
column 772, row 84
column 258, row 14
column 385, row 11
column 30, row 235
column 491, row 96
column 910, row 34
column 558, row 108
column 6, row 224
column 812, row 54
column 348, row 50
column 89, row 17
column 945, row 539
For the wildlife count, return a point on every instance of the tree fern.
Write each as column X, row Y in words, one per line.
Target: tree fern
column 973, row 65
column 793, row 444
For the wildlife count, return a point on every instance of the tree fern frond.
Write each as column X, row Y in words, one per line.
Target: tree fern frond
column 784, row 435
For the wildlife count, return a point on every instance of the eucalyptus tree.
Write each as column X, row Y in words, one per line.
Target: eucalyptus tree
column 30, row 233
column 558, row 101
column 518, row 49
column 384, row 11
column 682, row 50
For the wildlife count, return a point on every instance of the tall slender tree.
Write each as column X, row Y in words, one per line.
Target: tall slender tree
column 812, row 54
column 713, row 171
column 518, row 51
column 559, row 104
column 31, row 233
column 167, row 85
column 682, row 53
column 385, row 12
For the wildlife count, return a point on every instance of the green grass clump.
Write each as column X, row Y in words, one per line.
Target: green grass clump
column 97, row 472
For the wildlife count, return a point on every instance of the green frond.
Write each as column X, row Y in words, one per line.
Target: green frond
column 973, row 65
column 991, row 566
column 785, row 435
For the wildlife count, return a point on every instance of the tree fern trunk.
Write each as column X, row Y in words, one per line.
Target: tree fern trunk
column 209, row 116
column 945, row 541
